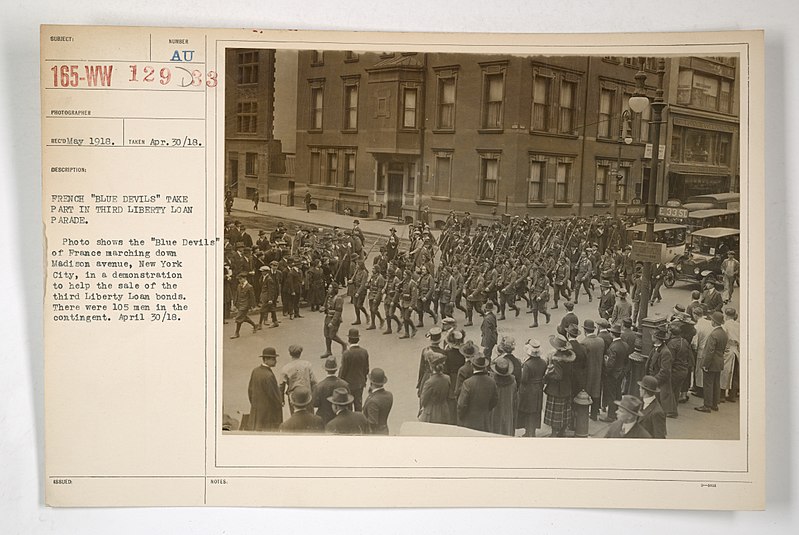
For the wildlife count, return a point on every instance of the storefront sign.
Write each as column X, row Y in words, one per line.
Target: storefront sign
column 648, row 151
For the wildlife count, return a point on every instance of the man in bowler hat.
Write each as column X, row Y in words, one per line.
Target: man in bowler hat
column 266, row 400
column 303, row 420
column 355, row 367
column 346, row 421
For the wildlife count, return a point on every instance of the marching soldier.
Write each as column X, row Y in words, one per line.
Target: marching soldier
column 583, row 278
column 360, row 282
column 377, row 285
column 539, row 294
column 560, row 280
column 409, row 295
column 446, row 292
column 425, row 296
column 334, row 306
column 507, row 294
column 475, row 295
column 392, row 293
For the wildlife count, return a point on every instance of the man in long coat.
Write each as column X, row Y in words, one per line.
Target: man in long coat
column 712, row 362
column 325, row 388
column 266, row 401
column 355, row 367
column 595, row 353
column 488, row 329
column 378, row 403
column 615, row 365
column 659, row 366
column 478, row 397
column 654, row 418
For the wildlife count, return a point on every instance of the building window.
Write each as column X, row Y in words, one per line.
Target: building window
column 621, row 182
column 706, row 147
column 704, row 91
column 251, row 164
column 542, row 94
column 247, row 117
column 568, row 99
column 382, row 171
column 489, row 176
column 316, row 167
column 349, row 170
column 317, row 101
column 410, row 184
column 446, row 103
column 248, row 67
column 409, row 95
column 603, row 176
column 317, row 58
column 350, row 56
column 562, row 181
column 443, row 176
column 725, row 97
column 493, row 96
column 535, row 186
column 606, row 101
column 331, row 175
column 350, row 106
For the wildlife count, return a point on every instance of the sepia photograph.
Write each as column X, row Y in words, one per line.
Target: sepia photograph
column 481, row 245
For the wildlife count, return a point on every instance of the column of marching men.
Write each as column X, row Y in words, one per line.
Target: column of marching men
column 485, row 272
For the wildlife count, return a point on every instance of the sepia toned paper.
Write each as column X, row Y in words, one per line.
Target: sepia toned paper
column 135, row 162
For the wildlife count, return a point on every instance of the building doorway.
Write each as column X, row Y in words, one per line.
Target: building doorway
column 394, row 201
column 233, row 184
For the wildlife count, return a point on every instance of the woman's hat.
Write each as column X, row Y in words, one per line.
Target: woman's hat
column 507, row 344
column 469, row 349
column 559, row 342
column 341, row 396
column 532, row 348
column 502, row 366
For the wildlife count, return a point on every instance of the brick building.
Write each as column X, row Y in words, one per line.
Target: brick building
column 388, row 133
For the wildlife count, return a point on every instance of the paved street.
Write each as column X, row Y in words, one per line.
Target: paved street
column 400, row 358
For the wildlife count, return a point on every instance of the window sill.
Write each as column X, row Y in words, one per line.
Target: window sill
column 408, row 129
column 553, row 134
column 537, row 205
column 601, row 204
column 563, row 204
column 314, row 131
column 349, row 131
column 440, row 198
column 443, row 130
column 486, row 203
column 350, row 60
column 490, row 130
column 322, row 64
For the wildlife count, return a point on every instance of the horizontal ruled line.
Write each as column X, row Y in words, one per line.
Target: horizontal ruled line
column 124, row 117
column 126, row 89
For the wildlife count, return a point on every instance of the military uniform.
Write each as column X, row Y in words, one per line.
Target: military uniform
column 376, row 286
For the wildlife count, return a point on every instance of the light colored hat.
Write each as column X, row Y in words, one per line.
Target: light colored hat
column 532, row 348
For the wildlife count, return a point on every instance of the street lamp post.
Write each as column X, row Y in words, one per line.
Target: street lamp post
column 624, row 139
column 638, row 103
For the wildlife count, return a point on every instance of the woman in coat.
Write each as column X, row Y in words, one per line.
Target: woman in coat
column 503, row 416
column 558, row 378
column 531, row 389
column 434, row 397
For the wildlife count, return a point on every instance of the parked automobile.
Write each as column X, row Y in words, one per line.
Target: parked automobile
column 705, row 251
